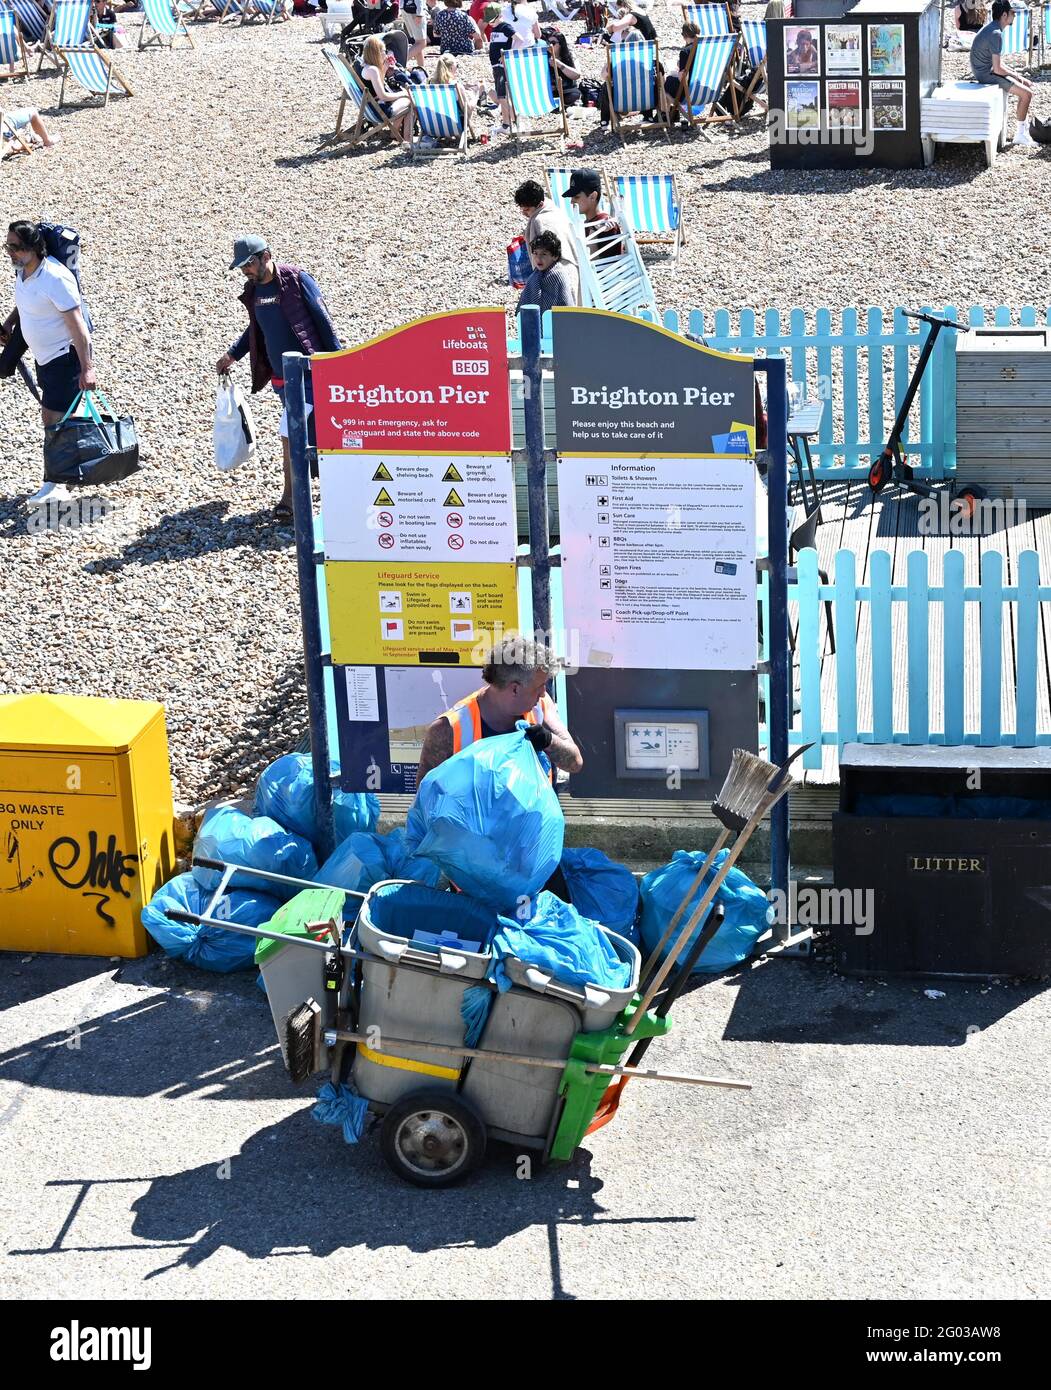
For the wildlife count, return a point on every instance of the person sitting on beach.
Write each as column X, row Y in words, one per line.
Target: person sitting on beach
column 455, row 30
column 18, row 127
column 397, row 108
column 678, row 81
column 971, row 15
column 988, row 68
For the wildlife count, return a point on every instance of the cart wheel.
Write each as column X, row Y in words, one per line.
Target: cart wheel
column 432, row 1138
column 879, row 473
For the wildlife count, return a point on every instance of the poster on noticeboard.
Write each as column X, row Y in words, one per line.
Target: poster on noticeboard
column 886, row 50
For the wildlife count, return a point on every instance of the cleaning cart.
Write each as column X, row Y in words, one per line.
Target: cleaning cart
column 402, row 1013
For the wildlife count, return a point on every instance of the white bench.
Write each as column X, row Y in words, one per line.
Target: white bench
column 968, row 113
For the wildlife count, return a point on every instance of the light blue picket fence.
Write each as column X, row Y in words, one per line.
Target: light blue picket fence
column 861, row 367
column 933, row 626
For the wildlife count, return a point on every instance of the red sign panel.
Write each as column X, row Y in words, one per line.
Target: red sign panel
column 436, row 385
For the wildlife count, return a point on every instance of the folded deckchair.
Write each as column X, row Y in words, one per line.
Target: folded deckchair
column 530, row 93
column 12, row 47
column 269, row 11
column 92, row 69
column 164, row 22
column 32, row 19
column 652, row 208
column 440, row 116
column 369, row 116
column 707, row 73
column 634, row 85
column 753, row 36
column 712, row 20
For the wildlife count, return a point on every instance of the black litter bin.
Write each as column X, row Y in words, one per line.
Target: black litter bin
column 954, row 845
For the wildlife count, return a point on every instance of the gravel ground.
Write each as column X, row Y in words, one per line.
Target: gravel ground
column 186, row 593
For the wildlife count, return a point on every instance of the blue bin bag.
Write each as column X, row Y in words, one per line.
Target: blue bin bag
column 744, row 904
column 568, row 947
column 285, row 793
column 365, row 858
column 209, row 948
column 339, row 1105
column 490, row 820
column 255, row 841
column 602, row 890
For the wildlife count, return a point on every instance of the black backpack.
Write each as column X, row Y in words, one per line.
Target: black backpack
column 1040, row 131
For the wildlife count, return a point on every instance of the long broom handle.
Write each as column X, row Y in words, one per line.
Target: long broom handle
column 655, row 954
column 769, row 800
column 552, row 1063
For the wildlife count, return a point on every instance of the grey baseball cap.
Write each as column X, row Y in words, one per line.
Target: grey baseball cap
column 245, row 248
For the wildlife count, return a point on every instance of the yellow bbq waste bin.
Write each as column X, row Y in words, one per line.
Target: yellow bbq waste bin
column 85, row 822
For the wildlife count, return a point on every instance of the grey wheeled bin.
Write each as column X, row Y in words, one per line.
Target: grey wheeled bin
column 421, row 1002
column 597, row 1004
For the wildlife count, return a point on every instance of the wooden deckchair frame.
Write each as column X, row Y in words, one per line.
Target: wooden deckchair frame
column 10, row 74
column 662, row 123
column 217, row 7
column 249, row 8
column 367, row 107
column 758, row 76
column 516, row 120
column 700, row 122
column 112, row 74
column 159, row 36
column 466, row 134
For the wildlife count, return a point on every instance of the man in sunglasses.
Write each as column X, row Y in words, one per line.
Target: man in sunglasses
column 286, row 313
column 47, row 300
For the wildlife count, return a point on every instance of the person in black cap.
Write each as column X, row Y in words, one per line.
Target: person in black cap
column 286, row 313
column 603, row 234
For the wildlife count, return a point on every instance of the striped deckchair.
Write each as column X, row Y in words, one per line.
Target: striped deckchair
column 441, row 117
column 530, row 93
column 269, row 11
column 651, row 206
column 634, row 85
column 707, row 73
column 225, row 9
column 163, row 22
column 68, row 26
column 369, row 117
column 32, row 19
column 753, row 36
column 90, row 68
column 12, row 47
column 712, row 20
column 1017, row 37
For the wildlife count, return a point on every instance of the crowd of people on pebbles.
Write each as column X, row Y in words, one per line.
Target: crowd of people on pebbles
column 182, row 587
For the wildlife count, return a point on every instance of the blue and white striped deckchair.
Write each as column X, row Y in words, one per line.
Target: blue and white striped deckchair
column 440, row 117
column 12, row 47
column 753, row 36
column 711, row 20
column 708, row 71
column 634, row 85
column 68, row 26
column 530, row 93
column 163, row 22
column 1017, row 35
column 269, row 11
column 368, row 116
column 91, row 69
column 651, row 206
column 32, row 20
column 225, row 9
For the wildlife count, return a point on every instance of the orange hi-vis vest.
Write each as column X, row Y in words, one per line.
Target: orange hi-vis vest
column 466, row 718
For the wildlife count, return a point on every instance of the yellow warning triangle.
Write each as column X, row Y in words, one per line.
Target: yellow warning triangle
column 453, row 500
column 384, row 499
column 452, row 474
column 382, row 474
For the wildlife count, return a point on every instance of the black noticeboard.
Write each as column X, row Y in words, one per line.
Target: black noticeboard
column 845, row 91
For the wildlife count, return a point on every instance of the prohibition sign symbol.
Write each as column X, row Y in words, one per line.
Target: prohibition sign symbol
column 455, row 542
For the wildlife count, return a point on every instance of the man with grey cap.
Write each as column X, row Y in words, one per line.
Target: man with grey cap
column 286, row 313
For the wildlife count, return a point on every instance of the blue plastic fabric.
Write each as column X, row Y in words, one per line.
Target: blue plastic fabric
column 400, row 909
column 490, row 819
column 255, row 841
column 285, row 793
column 209, row 948
column 744, row 904
column 568, row 947
column 602, row 890
column 338, row 1105
column 365, row 858
column 902, row 804
column 474, row 1010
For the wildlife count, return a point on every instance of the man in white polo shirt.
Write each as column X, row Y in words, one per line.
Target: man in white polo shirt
column 47, row 298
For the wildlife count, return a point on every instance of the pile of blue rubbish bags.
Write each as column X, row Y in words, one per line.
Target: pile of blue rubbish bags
column 487, row 822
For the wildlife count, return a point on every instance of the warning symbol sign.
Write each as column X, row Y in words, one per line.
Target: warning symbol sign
column 452, row 474
column 384, row 499
column 454, row 499
column 382, row 474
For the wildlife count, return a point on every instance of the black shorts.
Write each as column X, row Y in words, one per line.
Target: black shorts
column 59, row 381
column 500, row 80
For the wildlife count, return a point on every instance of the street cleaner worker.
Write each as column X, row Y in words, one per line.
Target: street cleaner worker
column 515, row 675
